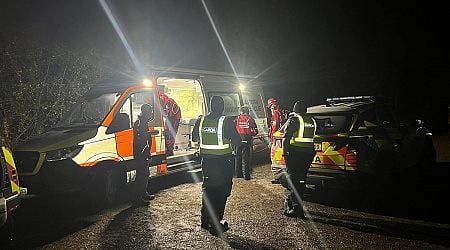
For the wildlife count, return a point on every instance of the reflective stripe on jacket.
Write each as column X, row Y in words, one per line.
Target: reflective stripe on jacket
column 306, row 131
column 212, row 140
column 244, row 125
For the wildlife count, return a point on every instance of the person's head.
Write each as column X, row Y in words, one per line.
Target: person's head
column 217, row 105
column 299, row 107
column 164, row 97
column 147, row 111
column 244, row 110
column 272, row 104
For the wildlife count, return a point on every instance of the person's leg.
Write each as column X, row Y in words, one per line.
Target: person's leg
column 246, row 155
column 218, row 225
column 205, row 212
column 170, row 137
column 238, row 162
column 294, row 199
column 140, row 186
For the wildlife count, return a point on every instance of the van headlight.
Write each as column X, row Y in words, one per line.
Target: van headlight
column 63, row 153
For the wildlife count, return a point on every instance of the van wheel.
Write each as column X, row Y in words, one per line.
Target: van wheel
column 109, row 187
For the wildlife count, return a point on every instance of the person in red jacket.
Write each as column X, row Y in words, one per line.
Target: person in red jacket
column 246, row 127
column 276, row 121
column 172, row 115
column 277, row 118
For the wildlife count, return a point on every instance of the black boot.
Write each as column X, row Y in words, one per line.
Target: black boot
column 223, row 227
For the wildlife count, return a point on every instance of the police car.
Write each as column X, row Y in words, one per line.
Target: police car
column 360, row 136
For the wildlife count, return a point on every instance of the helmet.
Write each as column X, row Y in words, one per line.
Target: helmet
column 271, row 101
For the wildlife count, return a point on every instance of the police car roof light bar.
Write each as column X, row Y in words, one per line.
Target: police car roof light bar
column 361, row 98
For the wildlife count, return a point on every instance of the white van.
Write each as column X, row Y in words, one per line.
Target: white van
column 93, row 143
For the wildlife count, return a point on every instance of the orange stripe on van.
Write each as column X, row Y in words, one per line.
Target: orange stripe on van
column 124, row 142
column 153, row 149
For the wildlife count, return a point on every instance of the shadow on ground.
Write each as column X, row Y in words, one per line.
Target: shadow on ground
column 239, row 242
column 428, row 233
column 45, row 219
column 421, row 199
column 42, row 220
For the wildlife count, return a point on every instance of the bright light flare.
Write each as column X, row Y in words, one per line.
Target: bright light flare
column 241, row 87
column 121, row 35
column 147, row 83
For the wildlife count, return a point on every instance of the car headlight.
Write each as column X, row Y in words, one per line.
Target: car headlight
column 63, row 153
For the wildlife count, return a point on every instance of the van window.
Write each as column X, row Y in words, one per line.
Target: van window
column 255, row 104
column 140, row 98
column 89, row 111
column 231, row 102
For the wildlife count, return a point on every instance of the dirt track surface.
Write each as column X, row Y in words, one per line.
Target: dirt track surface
column 254, row 212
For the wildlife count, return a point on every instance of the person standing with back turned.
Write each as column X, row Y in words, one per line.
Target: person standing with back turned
column 216, row 132
column 246, row 127
column 142, row 143
column 298, row 150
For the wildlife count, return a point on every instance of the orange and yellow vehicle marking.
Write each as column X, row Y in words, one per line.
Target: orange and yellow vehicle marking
column 11, row 167
column 329, row 157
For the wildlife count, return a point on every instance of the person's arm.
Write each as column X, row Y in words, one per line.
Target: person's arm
column 231, row 133
column 195, row 130
column 253, row 127
column 291, row 127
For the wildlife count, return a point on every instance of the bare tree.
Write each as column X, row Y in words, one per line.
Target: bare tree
column 38, row 85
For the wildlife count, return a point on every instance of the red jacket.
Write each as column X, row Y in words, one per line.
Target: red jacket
column 170, row 107
column 246, row 125
column 275, row 122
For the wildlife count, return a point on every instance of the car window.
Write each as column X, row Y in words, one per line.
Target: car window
column 367, row 118
column 332, row 124
column 385, row 116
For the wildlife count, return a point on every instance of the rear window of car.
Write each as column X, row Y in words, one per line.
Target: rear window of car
column 332, row 124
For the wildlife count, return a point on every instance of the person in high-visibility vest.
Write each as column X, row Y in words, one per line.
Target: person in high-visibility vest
column 298, row 150
column 216, row 133
column 246, row 127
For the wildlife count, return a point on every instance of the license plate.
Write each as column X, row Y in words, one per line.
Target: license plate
column 318, row 146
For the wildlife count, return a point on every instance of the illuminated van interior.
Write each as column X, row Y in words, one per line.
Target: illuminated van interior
column 188, row 95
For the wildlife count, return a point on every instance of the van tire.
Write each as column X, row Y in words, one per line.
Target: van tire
column 106, row 186
column 111, row 187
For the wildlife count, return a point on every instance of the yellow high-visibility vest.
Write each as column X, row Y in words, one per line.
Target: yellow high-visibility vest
column 212, row 140
column 306, row 131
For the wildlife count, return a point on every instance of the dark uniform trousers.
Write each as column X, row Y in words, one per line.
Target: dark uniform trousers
column 243, row 157
column 217, row 184
column 297, row 164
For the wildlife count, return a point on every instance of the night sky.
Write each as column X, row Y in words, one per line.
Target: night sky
column 304, row 49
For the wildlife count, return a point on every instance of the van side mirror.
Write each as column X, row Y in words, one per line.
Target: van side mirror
column 120, row 122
